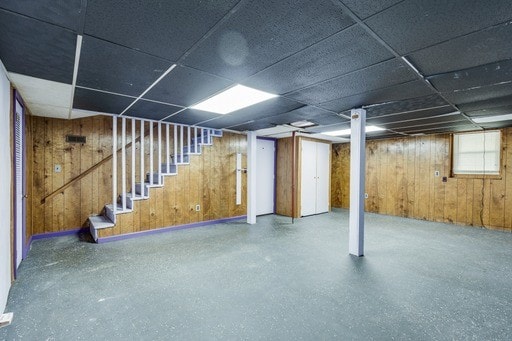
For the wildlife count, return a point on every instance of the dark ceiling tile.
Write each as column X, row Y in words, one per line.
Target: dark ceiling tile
column 185, row 86
column 382, row 75
column 331, row 127
column 488, row 105
column 432, row 121
column 412, row 115
column 251, row 126
column 263, row 32
column 504, row 110
column 307, row 113
column 99, row 101
column 413, row 104
column 109, row 67
column 483, row 47
column 496, row 125
column 31, row 47
column 416, row 24
column 365, row 8
column 61, row 13
column 383, row 135
column 378, row 76
column 442, row 128
column 191, row 116
column 480, row 93
column 151, row 110
column 344, row 52
column 479, row 76
column 163, row 28
column 271, row 107
column 412, row 89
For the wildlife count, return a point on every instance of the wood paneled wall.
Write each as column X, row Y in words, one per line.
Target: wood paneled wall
column 208, row 181
column 401, row 181
column 284, row 169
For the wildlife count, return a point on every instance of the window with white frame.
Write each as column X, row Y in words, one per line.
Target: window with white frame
column 477, row 153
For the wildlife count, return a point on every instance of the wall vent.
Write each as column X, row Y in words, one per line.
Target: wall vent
column 75, row 139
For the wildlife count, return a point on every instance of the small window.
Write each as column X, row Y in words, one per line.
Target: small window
column 477, row 153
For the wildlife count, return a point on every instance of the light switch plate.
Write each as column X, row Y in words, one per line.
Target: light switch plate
column 57, row 168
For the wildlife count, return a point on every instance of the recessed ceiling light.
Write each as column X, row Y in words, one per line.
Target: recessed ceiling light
column 368, row 129
column 489, row 119
column 234, row 98
column 302, row 124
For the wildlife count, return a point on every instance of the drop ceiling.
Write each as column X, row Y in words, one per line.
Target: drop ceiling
column 416, row 66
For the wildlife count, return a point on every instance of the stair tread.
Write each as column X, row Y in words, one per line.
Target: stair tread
column 119, row 208
column 100, row 222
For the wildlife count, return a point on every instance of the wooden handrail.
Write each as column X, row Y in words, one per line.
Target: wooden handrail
column 88, row 171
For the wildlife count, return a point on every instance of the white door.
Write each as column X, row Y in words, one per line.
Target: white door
column 265, row 169
column 308, row 178
column 19, row 208
column 322, row 177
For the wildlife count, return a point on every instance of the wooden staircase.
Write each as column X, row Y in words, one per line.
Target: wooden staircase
column 179, row 156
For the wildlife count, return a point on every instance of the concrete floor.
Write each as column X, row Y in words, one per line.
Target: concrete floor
column 274, row 280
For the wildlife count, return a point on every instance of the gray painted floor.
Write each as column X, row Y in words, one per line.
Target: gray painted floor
column 274, row 280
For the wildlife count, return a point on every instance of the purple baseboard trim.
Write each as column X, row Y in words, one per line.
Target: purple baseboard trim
column 167, row 229
column 52, row 235
column 58, row 234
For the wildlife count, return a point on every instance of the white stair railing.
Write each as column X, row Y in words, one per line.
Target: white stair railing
column 142, row 180
column 150, row 154
column 167, row 150
column 181, row 147
column 114, row 165
column 159, row 153
column 133, row 157
column 123, row 164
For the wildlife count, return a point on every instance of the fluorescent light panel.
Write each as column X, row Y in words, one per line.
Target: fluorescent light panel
column 234, row 98
column 368, row 129
column 490, row 119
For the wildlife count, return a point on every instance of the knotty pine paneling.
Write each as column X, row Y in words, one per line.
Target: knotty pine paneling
column 206, row 181
column 46, row 147
column 400, row 181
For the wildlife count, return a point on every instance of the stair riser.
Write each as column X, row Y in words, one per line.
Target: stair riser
column 139, row 188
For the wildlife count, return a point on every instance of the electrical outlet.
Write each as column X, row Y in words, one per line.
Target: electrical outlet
column 436, row 173
column 57, row 168
column 198, row 208
column 366, row 195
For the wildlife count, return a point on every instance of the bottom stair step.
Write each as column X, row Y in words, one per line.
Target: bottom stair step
column 100, row 222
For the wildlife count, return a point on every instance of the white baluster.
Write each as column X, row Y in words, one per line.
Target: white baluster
column 114, row 165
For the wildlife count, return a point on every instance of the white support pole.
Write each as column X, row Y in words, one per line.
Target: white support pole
column 357, row 177
column 251, row 177
column 188, row 140
column 167, row 150
column 133, row 157
column 175, row 142
column 114, row 164
column 142, row 188
column 181, row 144
column 195, row 140
column 159, row 153
column 150, row 153
column 123, row 163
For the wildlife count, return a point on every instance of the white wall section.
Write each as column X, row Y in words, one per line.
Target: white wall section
column 5, row 193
